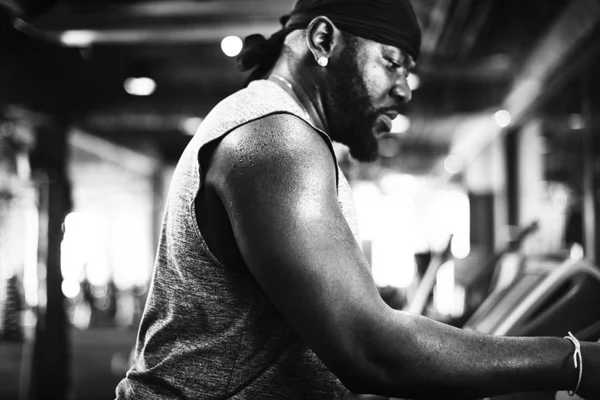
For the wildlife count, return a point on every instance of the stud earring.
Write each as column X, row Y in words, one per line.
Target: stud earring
column 323, row 61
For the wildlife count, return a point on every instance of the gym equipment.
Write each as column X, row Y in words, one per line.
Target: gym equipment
column 505, row 267
column 550, row 298
column 508, row 263
column 420, row 300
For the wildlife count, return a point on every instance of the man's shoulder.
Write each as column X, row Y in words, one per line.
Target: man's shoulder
column 277, row 142
column 278, row 134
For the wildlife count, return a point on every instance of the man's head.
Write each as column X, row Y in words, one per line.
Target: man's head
column 362, row 87
column 369, row 45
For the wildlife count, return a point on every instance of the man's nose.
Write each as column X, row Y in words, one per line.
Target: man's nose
column 401, row 91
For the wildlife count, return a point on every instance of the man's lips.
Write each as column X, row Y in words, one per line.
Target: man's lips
column 385, row 120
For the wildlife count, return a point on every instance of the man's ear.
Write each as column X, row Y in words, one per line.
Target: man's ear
column 322, row 37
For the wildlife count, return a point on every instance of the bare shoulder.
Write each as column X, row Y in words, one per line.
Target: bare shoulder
column 276, row 145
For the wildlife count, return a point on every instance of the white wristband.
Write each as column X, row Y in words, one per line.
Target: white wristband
column 577, row 360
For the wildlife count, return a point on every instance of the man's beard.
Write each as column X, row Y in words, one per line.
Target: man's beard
column 351, row 116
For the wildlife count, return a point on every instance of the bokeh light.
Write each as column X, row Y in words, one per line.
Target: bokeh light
column 232, row 46
column 140, row 86
column 503, row 118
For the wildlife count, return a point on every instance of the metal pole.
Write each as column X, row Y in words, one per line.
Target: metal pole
column 589, row 184
column 50, row 369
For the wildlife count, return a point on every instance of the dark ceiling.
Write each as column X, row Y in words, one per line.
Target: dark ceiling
column 473, row 52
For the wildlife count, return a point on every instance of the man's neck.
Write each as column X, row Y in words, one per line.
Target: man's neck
column 306, row 92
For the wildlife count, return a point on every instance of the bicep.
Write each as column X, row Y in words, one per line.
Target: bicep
column 295, row 240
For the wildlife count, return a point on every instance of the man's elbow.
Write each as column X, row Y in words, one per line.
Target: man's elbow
column 378, row 367
column 352, row 366
column 375, row 372
column 380, row 383
column 361, row 382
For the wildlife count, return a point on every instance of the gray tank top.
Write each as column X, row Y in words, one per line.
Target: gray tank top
column 208, row 331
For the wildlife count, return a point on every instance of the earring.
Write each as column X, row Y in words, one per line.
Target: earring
column 323, row 61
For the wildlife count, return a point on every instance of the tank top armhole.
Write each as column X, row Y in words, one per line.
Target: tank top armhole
column 214, row 141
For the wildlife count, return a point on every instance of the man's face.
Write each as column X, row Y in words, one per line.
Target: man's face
column 367, row 86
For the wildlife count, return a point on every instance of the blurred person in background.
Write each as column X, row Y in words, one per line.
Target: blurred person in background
column 260, row 289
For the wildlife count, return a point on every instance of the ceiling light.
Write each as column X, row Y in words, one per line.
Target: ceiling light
column 78, row 38
column 140, row 86
column 232, row 46
column 414, row 82
column 503, row 118
column 400, row 124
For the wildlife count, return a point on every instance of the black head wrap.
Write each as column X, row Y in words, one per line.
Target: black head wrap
column 390, row 22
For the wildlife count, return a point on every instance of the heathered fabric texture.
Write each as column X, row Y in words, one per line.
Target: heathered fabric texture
column 208, row 330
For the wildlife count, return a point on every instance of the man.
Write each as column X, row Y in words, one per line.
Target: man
column 260, row 289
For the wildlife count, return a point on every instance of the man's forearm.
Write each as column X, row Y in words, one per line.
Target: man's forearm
column 437, row 359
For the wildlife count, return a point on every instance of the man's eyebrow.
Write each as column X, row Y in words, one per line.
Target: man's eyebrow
column 404, row 59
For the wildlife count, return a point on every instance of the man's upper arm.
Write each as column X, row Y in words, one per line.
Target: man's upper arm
column 277, row 180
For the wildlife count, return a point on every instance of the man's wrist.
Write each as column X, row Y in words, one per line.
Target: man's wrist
column 590, row 381
column 577, row 362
